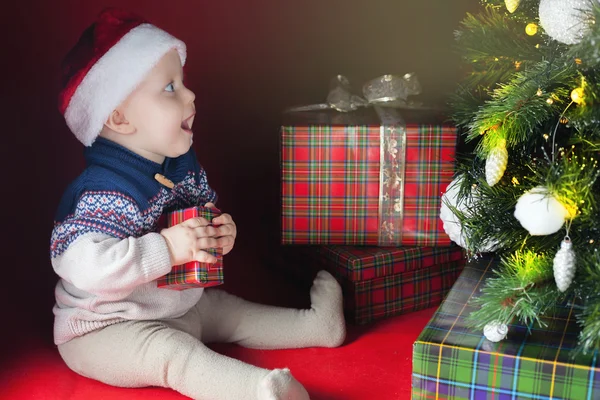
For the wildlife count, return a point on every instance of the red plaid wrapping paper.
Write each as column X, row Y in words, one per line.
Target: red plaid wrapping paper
column 379, row 282
column 365, row 184
column 193, row 274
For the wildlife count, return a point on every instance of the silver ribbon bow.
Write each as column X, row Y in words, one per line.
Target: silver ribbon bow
column 386, row 91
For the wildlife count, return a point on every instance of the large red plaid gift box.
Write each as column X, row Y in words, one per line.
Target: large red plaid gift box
column 360, row 179
column 379, row 282
column 193, row 274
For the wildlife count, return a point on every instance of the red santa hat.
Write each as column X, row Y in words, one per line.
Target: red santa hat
column 110, row 60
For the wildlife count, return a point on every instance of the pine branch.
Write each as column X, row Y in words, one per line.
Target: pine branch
column 491, row 38
column 519, row 108
column 522, row 289
column 588, row 50
column 585, row 118
column 465, row 102
column 589, row 292
column 492, row 46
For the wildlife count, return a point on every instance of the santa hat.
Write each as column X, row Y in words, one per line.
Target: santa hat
column 110, row 60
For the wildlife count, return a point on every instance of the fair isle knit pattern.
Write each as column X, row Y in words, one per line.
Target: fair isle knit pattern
column 118, row 215
column 117, row 194
column 102, row 212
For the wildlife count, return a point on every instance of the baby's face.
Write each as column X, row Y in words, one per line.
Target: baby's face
column 162, row 111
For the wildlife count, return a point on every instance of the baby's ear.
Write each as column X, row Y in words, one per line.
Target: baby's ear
column 117, row 122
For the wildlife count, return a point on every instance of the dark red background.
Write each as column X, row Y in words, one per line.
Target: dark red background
column 247, row 61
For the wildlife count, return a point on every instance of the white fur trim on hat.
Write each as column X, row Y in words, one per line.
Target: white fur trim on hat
column 114, row 76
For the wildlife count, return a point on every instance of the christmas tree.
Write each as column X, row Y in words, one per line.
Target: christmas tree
column 528, row 188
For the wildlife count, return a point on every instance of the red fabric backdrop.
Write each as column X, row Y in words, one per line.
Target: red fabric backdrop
column 247, row 61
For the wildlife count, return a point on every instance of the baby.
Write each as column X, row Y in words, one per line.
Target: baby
column 124, row 98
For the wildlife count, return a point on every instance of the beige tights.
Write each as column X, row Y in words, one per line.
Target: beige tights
column 171, row 353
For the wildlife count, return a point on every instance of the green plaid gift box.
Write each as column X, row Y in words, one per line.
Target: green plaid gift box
column 451, row 361
column 348, row 178
column 380, row 282
column 193, row 274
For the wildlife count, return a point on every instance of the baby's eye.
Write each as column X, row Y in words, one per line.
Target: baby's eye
column 170, row 87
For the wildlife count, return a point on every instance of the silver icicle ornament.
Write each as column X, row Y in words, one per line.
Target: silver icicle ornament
column 564, row 265
column 495, row 331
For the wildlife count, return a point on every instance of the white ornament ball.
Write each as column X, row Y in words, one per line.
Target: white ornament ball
column 565, row 20
column 451, row 223
column 540, row 212
column 495, row 331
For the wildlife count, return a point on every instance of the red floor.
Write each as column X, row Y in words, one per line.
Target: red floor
column 373, row 363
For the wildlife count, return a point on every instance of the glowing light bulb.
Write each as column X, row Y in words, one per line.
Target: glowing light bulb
column 531, row 29
column 577, row 95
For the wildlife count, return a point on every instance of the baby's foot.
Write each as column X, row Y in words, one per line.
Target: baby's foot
column 327, row 302
column 279, row 384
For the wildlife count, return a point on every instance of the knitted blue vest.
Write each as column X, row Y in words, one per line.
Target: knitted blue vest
column 118, row 195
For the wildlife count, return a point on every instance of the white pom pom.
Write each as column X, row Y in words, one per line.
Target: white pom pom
column 564, row 265
column 495, row 164
column 451, row 223
column 495, row 331
column 539, row 212
column 565, row 20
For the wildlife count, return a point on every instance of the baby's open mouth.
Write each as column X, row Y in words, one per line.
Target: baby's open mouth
column 186, row 124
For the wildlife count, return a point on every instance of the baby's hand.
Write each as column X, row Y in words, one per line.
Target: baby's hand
column 227, row 228
column 187, row 240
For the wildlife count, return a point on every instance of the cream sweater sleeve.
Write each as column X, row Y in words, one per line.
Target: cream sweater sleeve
column 106, row 266
column 100, row 249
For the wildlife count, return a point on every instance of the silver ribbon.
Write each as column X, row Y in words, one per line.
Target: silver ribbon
column 385, row 91
column 392, row 158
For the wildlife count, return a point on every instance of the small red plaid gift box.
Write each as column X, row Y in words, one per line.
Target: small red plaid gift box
column 380, row 282
column 357, row 179
column 193, row 274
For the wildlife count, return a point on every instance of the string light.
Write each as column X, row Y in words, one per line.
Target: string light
column 546, row 136
column 515, row 181
column 531, row 29
column 578, row 61
column 517, row 65
column 539, row 92
column 577, row 95
column 549, row 100
column 563, row 120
